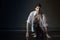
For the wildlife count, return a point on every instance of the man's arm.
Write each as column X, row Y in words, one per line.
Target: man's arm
column 46, row 26
column 27, row 30
column 27, row 27
column 27, row 24
column 46, row 31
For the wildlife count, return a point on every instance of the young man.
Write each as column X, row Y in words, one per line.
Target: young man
column 38, row 23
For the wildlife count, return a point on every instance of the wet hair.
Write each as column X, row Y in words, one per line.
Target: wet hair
column 38, row 5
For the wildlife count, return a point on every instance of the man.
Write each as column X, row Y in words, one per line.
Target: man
column 38, row 23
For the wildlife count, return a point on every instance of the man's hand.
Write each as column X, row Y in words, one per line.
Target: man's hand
column 48, row 36
column 34, row 35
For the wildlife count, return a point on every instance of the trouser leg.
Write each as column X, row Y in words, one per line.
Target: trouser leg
column 40, row 34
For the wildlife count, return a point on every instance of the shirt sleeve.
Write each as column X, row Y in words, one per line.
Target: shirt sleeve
column 29, row 18
column 45, row 24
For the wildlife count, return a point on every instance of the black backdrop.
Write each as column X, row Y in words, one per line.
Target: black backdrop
column 14, row 13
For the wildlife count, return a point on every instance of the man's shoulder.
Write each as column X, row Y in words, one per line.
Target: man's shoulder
column 45, row 15
column 33, row 11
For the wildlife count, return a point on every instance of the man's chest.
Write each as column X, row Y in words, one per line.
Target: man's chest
column 37, row 18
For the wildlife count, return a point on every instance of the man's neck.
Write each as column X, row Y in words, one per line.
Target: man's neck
column 38, row 12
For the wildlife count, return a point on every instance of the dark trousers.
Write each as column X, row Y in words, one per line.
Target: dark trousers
column 39, row 32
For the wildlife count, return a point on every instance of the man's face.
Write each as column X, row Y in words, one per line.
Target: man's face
column 37, row 8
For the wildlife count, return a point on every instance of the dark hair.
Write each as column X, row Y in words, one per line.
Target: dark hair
column 38, row 5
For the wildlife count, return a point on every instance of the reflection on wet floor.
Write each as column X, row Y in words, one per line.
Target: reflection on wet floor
column 20, row 35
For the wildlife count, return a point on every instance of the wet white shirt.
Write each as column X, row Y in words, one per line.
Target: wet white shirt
column 42, row 22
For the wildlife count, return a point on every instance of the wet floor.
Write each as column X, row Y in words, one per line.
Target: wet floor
column 20, row 35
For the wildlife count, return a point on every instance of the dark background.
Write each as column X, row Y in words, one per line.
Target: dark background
column 14, row 13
